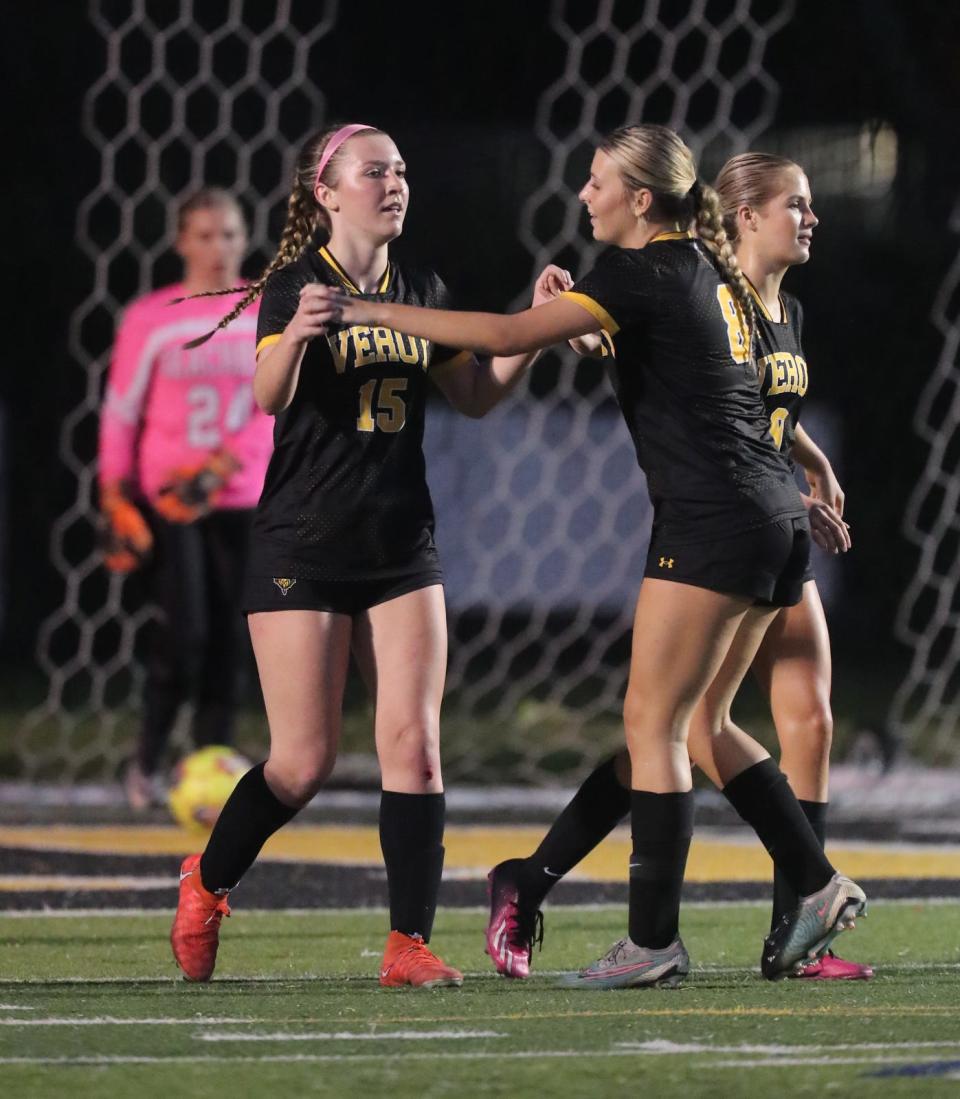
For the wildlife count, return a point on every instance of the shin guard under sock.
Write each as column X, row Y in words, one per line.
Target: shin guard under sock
column 592, row 814
column 763, row 798
column 785, row 898
column 252, row 814
column 411, row 837
column 662, row 825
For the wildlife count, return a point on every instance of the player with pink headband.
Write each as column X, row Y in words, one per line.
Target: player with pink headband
column 183, row 452
column 342, row 555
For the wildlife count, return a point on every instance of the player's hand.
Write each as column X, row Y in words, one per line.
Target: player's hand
column 825, row 486
column 192, row 492
column 827, row 528
column 326, row 305
column 551, row 282
column 125, row 538
column 312, row 316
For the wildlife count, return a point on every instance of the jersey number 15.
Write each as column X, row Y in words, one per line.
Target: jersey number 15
column 384, row 410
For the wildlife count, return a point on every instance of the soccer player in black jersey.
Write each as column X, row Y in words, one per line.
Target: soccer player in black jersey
column 768, row 216
column 730, row 542
column 342, row 555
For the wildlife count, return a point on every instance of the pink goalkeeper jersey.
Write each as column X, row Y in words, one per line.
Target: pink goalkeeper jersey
column 166, row 407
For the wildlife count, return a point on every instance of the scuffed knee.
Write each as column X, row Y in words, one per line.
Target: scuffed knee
column 411, row 751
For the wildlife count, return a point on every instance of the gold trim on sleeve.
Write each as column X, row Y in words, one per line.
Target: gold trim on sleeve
column 267, row 341
column 595, row 309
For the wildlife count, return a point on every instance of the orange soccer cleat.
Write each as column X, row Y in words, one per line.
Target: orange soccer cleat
column 195, row 934
column 407, row 961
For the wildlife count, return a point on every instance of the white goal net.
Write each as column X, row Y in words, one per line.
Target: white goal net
column 192, row 93
column 926, row 709
column 543, row 516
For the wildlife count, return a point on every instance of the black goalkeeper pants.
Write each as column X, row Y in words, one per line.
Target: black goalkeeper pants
column 199, row 648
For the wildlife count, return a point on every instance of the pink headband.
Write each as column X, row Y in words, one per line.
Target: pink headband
column 335, row 142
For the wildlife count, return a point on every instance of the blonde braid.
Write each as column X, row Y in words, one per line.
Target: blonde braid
column 709, row 219
column 302, row 221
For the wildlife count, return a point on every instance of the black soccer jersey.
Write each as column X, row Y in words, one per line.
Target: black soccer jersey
column 345, row 494
column 782, row 368
column 688, row 390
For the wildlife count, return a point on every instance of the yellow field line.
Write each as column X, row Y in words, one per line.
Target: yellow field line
column 838, row 1009
column 472, row 850
column 25, row 883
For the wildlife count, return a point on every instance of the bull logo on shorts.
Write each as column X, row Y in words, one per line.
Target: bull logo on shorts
column 284, row 583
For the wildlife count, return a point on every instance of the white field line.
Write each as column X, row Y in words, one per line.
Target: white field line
column 353, row 1036
column 465, row 1055
column 664, row 1047
column 804, row 1062
column 114, row 1020
column 339, row 1036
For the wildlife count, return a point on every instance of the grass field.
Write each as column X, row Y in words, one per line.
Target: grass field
column 90, row 1005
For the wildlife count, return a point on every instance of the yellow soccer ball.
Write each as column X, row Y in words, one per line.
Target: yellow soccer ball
column 202, row 782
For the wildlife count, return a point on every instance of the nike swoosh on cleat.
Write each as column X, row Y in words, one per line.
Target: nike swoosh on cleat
column 184, row 876
column 822, row 910
column 550, row 873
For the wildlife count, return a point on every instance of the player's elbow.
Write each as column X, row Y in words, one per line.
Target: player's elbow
column 266, row 404
column 269, row 399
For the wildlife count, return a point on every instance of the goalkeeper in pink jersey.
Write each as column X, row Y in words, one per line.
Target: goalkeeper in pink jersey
column 183, row 451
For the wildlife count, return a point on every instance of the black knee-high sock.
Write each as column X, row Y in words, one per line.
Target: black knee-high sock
column 763, row 798
column 785, row 897
column 250, row 817
column 662, row 825
column 411, row 837
column 593, row 812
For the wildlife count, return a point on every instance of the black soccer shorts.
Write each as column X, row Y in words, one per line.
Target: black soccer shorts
column 768, row 565
column 349, row 595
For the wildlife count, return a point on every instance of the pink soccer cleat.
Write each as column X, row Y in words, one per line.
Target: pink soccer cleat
column 832, row 968
column 514, row 927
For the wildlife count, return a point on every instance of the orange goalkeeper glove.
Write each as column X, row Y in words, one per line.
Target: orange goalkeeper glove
column 126, row 540
column 193, row 491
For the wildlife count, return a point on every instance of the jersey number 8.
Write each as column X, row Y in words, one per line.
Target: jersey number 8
column 736, row 329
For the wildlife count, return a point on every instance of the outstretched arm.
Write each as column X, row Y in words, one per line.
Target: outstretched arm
column 552, row 282
column 474, row 388
column 485, row 333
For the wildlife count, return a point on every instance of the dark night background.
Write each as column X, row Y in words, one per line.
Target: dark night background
column 458, row 86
